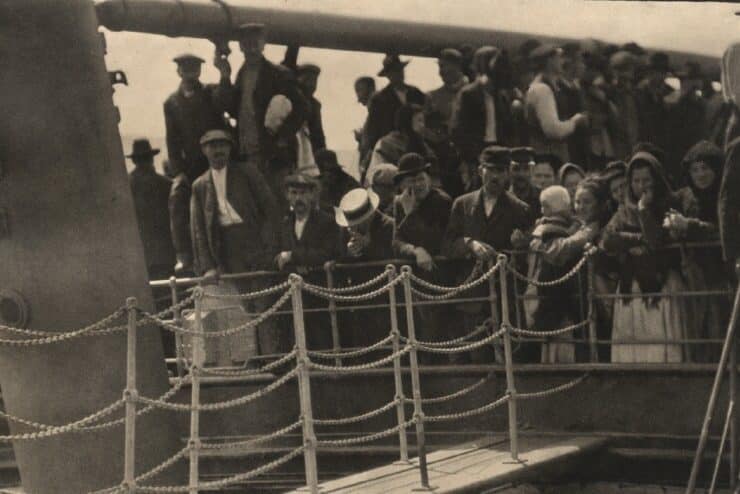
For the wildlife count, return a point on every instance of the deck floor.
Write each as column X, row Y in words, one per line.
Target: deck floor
column 467, row 467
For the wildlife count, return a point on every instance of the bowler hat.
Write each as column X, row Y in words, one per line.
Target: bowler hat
column 495, row 157
column 299, row 181
column 356, row 206
column 409, row 165
column 142, row 148
column 188, row 59
column 216, row 135
column 392, row 62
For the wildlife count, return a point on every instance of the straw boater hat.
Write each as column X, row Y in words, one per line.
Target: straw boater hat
column 356, row 206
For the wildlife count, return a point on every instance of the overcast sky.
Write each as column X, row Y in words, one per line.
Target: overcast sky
column 147, row 59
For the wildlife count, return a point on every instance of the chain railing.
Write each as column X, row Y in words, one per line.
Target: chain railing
column 495, row 331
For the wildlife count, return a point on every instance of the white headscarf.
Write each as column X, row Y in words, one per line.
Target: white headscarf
column 731, row 74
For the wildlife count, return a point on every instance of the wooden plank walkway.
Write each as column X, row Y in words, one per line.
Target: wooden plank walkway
column 469, row 467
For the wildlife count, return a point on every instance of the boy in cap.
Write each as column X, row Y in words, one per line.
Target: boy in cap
column 522, row 164
column 188, row 113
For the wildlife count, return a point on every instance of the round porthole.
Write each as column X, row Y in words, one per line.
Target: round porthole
column 13, row 309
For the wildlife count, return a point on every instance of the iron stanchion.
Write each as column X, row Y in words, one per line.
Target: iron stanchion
column 493, row 306
column 415, row 380
column 130, row 395
column 723, row 359
column 177, row 316
column 592, row 335
column 397, row 377
column 733, row 420
column 304, row 386
column 197, row 343
column 510, row 386
column 336, row 345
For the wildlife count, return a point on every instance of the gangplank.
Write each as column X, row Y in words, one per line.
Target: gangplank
column 476, row 465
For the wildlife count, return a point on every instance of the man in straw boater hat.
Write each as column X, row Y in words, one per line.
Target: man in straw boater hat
column 481, row 226
column 308, row 238
column 258, row 82
column 367, row 235
column 150, row 191
column 233, row 223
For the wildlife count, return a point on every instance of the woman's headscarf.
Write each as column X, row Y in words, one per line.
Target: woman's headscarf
column 713, row 156
column 662, row 193
column 566, row 169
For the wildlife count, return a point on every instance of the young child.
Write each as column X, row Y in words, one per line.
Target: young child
column 557, row 245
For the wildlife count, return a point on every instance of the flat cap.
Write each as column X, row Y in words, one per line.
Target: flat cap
column 622, row 60
column 308, row 68
column 495, row 156
column 188, row 58
column 522, row 155
column 544, row 51
column 216, row 135
column 384, row 174
column 251, row 29
column 451, row 55
column 300, row 181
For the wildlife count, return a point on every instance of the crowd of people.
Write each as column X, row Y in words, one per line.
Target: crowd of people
column 551, row 152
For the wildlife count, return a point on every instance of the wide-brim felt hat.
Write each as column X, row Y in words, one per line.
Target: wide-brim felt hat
column 392, row 62
column 356, row 207
column 409, row 165
column 142, row 148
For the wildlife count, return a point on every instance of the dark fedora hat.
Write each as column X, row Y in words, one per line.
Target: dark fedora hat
column 409, row 165
column 142, row 148
column 392, row 62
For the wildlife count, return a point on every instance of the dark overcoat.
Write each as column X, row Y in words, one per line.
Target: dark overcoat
column 425, row 226
column 271, row 81
column 468, row 126
column 186, row 120
column 318, row 244
column 468, row 219
column 381, row 112
column 150, row 192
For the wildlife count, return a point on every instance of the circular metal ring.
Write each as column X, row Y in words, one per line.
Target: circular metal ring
column 14, row 309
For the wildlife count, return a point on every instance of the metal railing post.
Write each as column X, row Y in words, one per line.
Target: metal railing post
column 508, row 361
column 336, row 345
column 304, row 385
column 729, row 341
column 733, row 420
column 721, row 449
column 415, row 379
column 130, row 395
column 397, row 377
column 177, row 316
column 197, row 343
column 592, row 322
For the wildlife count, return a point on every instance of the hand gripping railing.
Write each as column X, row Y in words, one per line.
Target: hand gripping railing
column 728, row 354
